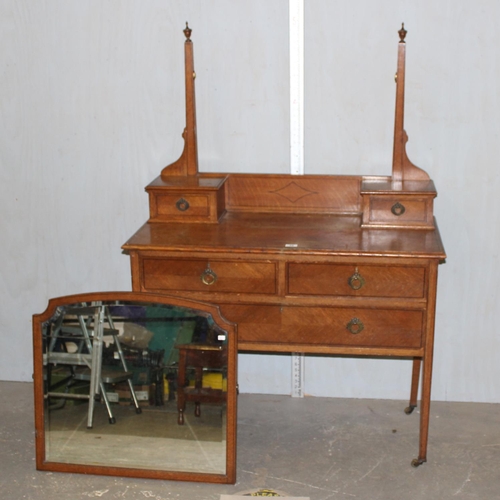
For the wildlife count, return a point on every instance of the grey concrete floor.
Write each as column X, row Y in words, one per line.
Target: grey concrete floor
column 313, row 447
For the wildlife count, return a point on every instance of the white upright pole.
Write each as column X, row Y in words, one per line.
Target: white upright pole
column 296, row 19
column 296, row 30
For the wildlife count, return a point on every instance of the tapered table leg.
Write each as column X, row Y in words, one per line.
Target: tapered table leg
column 415, row 380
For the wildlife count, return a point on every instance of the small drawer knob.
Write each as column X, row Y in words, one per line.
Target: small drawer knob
column 356, row 281
column 208, row 277
column 355, row 326
column 182, row 205
column 398, row 209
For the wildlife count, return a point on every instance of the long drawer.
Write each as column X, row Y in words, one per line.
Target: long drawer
column 358, row 327
column 352, row 280
column 214, row 276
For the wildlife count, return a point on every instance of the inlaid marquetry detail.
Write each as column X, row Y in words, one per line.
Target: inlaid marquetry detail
column 293, row 192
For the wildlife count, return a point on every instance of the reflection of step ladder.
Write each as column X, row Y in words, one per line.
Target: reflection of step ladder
column 75, row 340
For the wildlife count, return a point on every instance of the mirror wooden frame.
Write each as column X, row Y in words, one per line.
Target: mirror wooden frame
column 43, row 464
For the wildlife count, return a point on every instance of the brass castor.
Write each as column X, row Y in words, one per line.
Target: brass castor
column 416, row 462
column 409, row 409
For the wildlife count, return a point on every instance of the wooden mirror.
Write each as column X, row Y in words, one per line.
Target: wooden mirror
column 135, row 384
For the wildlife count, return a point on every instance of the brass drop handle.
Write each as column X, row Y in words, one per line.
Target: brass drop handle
column 356, row 281
column 355, row 326
column 182, row 205
column 208, row 277
column 398, row 209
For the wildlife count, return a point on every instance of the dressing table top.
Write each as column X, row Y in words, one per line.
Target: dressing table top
column 289, row 234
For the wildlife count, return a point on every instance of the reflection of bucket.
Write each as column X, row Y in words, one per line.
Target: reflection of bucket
column 213, row 380
column 169, row 389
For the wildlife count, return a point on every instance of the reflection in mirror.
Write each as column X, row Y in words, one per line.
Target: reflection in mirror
column 135, row 384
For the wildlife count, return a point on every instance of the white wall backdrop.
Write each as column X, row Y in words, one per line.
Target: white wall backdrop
column 92, row 108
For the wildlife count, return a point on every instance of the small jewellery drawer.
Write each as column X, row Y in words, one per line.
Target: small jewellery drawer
column 352, row 280
column 185, row 206
column 199, row 200
column 329, row 326
column 214, row 276
column 398, row 211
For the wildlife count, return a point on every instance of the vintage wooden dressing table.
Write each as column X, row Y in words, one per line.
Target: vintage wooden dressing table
column 340, row 265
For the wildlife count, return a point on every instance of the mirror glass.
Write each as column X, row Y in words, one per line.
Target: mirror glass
column 134, row 384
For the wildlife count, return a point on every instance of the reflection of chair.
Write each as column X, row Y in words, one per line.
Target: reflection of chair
column 75, row 341
column 198, row 357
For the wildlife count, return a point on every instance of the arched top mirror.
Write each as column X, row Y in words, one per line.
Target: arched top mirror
column 135, row 384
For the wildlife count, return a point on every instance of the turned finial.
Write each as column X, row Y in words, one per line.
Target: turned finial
column 402, row 33
column 187, row 31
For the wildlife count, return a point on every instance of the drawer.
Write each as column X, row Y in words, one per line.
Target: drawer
column 215, row 276
column 185, row 206
column 176, row 203
column 357, row 281
column 398, row 211
column 329, row 326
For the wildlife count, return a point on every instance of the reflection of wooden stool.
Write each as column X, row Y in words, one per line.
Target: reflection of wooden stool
column 198, row 357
